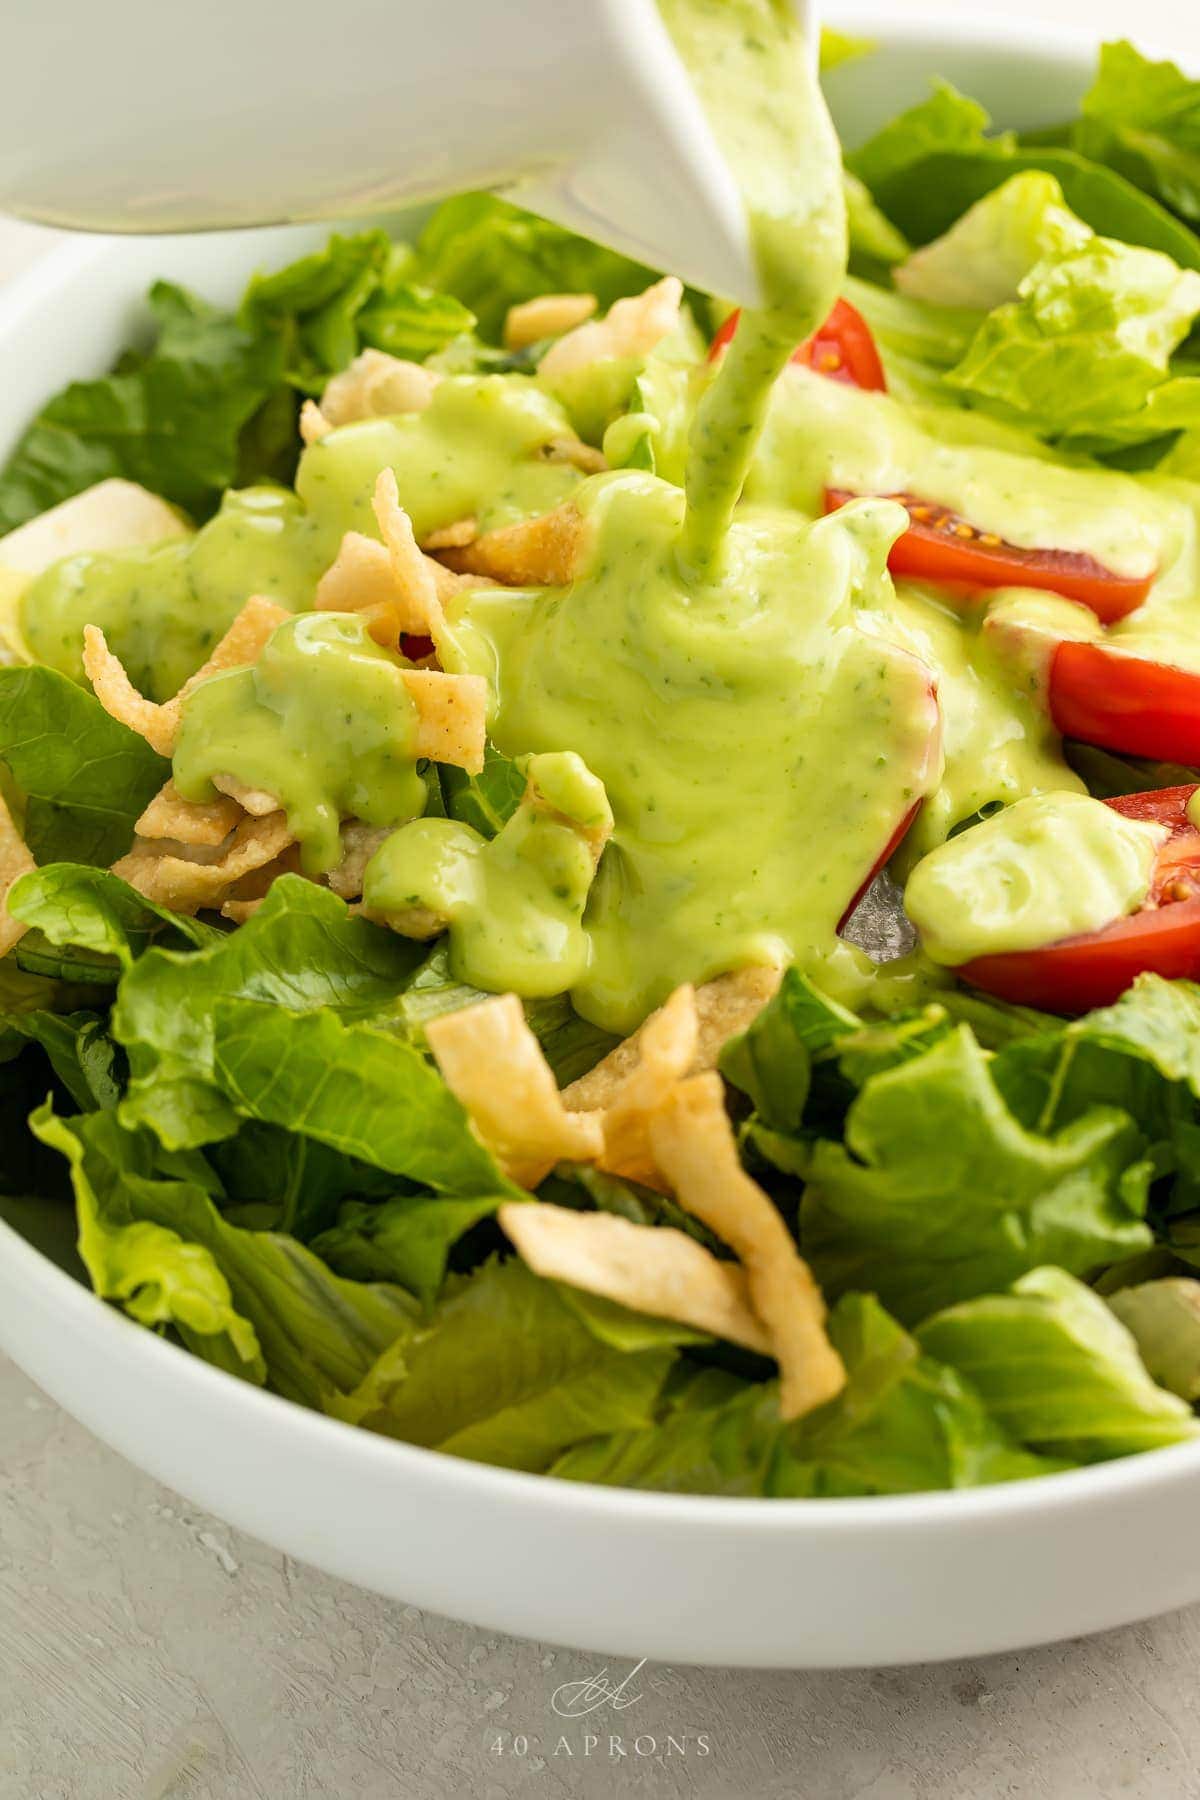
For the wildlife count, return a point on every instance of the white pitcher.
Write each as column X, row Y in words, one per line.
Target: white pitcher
column 145, row 116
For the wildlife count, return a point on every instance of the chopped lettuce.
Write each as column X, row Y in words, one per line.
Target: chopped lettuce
column 903, row 1424
column 407, row 1239
column 84, row 778
column 985, row 256
column 1164, row 1319
column 303, row 950
column 257, row 1303
column 173, row 419
column 1142, row 118
column 1083, row 348
column 507, row 1372
column 939, row 1192
column 490, row 254
column 1057, row 1367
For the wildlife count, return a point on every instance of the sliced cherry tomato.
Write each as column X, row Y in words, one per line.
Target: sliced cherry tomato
column 843, row 348
column 941, row 546
column 1120, row 701
column 1163, row 938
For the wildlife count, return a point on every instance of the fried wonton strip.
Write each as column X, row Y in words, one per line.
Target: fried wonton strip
column 359, row 844
column 724, row 1007
column 584, row 457
column 694, row 1146
column 118, row 696
column 15, row 861
column 238, row 911
column 493, row 1063
column 375, row 385
column 186, row 887
column 549, row 315
column 631, row 327
column 313, row 424
column 453, row 536
column 544, row 552
column 169, row 815
column 451, row 716
column 651, row 1269
column 419, row 608
column 668, row 1047
column 256, row 801
column 159, row 725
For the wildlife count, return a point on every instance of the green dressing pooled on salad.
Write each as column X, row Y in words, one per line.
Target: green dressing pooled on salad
column 485, row 447
column 322, row 723
column 1053, row 866
column 514, row 903
column 707, row 711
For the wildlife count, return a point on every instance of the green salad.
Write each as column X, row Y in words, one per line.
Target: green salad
column 610, row 885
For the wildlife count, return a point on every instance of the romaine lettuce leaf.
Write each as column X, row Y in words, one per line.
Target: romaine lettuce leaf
column 490, row 254
column 93, row 914
column 1087, row 342
column 302, row 950
column 352, row 292
column 172, row 420
column 903, row 1424
column 85, row 778
column 939, row 1192
column 78, row 1049
column 364, row 1091
column 984, row 257
column 1058, row 1369
column 1164, row 1319
column 407, row 1239
column 929, row 165
column 1142, row 118
column 507, row 1372
column 257, row 1303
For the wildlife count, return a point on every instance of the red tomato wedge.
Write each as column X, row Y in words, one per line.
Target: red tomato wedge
column 1121, row 701
column 943, row 547
column 843, row 348
column 1163, row 938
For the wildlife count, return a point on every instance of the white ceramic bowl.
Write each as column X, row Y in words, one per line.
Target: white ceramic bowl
column 767, row 1583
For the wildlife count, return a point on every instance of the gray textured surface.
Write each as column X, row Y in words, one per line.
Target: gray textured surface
column 147, row 1652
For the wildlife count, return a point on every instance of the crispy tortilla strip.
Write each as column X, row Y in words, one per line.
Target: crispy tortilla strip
column 15, row 861
column 169, row 815
column 584, row 457
column 361, row 579
column 419, row 608
column 256, row 801
column 493, row 1063
column 375, row 385
column 631, row 327
column 238, row 911
column 185, row 886
column 453, row 536
column 694, row 1146
column 313, row 424
column 549, row 315
column 159, row 725
column 594, row 836
column 119, row 698
column 543, row 552
column 649, row 1268
column 724, row 1007
column 359, row 844
column 668, row 1048
column 451, row 716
